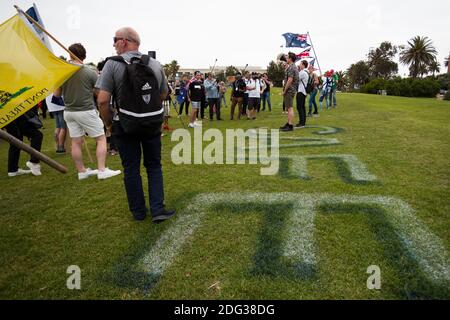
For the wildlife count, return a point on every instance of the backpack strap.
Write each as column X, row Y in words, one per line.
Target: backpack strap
column 145, row 59
column 117, row 59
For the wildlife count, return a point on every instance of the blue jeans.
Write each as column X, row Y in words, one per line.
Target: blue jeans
column 131, row 150
column 332, row 98
column 266, row 97
column 323, row 96
column 312, row 101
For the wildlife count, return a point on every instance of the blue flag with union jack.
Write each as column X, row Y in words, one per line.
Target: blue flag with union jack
column 295, row 40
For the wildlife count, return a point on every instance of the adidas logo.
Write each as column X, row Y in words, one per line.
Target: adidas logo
column 147, row 87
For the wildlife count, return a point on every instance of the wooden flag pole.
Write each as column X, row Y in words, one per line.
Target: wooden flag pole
column 47, row 33
column 42, row 157
column 315, row 54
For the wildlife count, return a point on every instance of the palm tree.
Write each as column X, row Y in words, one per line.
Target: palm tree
column 446, row 64
column 418, row 53
column 434, row 67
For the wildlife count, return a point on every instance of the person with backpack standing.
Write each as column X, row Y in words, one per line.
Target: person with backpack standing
column 140, row 115
column 313, row 83
column 302, row 93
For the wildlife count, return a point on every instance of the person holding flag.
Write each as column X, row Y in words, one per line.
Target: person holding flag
column 20, row 128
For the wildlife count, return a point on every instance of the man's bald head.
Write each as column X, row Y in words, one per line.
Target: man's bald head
column 126, row 39
column 130, row 34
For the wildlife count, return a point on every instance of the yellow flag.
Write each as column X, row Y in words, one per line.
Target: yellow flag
column 29, row 72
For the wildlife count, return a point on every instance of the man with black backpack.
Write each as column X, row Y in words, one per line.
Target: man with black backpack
column 138, row 85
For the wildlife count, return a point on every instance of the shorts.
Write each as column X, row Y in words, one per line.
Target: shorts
column 288, row 101
column 82, row 122
column 59, row 119
column 253, row 103
column 196, row 104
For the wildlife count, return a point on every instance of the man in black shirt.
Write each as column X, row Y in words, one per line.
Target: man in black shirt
column 196, row 94
column 237, row 96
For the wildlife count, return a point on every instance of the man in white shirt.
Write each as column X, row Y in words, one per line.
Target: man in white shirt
column 301, row 95
column 254, row 96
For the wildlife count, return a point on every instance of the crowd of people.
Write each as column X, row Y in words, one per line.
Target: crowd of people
column 131, row 108
column 301, row 81
column 251, row 93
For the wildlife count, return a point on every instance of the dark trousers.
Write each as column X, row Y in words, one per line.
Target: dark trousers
column 301, row 108
column 245, row 104
column 187, row 104
column 214, row 103
column 204, row 105
column 19, row 129
column 131, row 150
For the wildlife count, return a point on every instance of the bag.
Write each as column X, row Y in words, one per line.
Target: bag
column 140, row 110
column 310, row 87
column 34, row 119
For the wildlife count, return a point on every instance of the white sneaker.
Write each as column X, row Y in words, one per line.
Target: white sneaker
column 108, row 173
column 89, row 173
column 19, row 172
column 191, row 125
column 35, row 168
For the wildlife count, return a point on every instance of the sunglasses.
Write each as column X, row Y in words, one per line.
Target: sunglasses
column 115, row 39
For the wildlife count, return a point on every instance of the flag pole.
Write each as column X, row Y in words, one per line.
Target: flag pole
column 315, row 54
column 47, row 33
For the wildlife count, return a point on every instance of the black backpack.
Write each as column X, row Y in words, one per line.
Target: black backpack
column 140, row 110
column 310, row 87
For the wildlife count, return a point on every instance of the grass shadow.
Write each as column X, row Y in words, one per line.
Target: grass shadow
column 268, row 259
column 417, row 285
column 124, row 272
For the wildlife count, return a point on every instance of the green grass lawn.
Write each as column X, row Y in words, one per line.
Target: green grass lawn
column 51, row 222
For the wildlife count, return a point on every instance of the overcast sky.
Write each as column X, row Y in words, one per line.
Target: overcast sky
column 240, row 32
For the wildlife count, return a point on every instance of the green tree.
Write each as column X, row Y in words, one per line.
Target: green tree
column 220, row 76
column 231, row 71
column 276, row 73
column 380, row 61
column 434, row 67
column 343, row 83
column 171, row 69
column 419, row 54
column 358, row 74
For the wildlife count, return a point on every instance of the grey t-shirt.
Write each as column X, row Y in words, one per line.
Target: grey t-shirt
column 111, row 80
column 78, row 91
